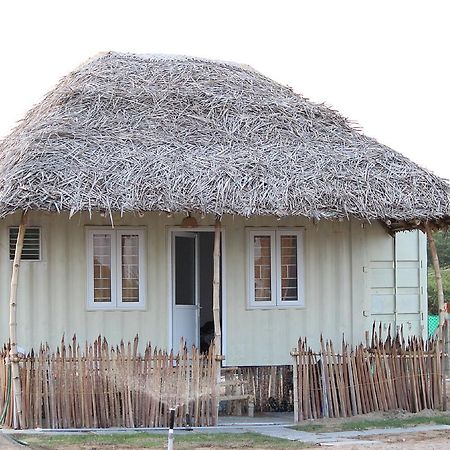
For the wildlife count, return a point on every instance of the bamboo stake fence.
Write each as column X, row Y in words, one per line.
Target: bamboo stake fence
column 99, row 386
column 387, row 375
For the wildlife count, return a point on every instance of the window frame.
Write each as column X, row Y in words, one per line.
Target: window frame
column 116, row 303
column 300, row 302
column 276, row 301
column 251, row 267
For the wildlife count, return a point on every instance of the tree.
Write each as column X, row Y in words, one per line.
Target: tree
column 442, row 240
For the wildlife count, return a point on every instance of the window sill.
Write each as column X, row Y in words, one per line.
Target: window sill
column 274, row 307
column 115, row 309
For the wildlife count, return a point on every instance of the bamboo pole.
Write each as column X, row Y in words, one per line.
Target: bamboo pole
column 16, row 387
column 216, row 289
column 437, row 274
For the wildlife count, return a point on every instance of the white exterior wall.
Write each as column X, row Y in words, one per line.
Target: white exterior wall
column 272, row 333
column 52, row 292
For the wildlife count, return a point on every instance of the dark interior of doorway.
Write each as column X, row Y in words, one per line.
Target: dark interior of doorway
column 206, row 276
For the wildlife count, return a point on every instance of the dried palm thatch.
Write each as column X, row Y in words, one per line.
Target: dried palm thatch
column 129, row 132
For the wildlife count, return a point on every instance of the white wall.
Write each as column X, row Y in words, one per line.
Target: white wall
column 267, row 336
column 52, row 292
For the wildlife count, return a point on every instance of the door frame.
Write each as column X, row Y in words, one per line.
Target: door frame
column 170, row 300
column 196, row 305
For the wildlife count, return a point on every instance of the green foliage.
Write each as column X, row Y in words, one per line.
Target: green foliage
column 442, row 240
column 432, row 292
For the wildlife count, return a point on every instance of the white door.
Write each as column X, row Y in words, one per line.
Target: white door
column 185, row 320
column 398, row 282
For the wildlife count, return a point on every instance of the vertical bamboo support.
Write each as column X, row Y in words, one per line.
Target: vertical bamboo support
column 16, row 387
column 295, row 354
column 217, row 357
column 437, row 274
column 216, row 288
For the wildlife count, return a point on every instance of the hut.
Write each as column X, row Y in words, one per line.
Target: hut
column 145, row 180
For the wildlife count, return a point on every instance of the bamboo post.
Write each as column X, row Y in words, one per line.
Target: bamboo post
column 16, row 387
column 216, row 288
column 295, row 355
column 437, row 274
column 217, row 356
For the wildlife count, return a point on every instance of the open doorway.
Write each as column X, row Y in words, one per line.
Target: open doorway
column 192, row 288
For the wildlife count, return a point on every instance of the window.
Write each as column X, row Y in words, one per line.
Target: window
column 276, row 275
column 116, row 268
column 31, row 250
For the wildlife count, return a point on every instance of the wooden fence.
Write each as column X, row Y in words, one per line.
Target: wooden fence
column 387, row 375
column 99, row 386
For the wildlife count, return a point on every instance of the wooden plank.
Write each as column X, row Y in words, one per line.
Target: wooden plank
column 300, row 382
column 378, row 379
column 340, row 388
column 332, row 381
column 38, row 400
column 314, row 385
column 413, row 378
column 443, row 364
column 422, row 374
column 363, row 382
column 26, row 400
column 307, row 384
column 326, row 398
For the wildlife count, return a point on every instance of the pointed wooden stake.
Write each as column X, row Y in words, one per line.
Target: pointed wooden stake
column 216, row 288
column 16, row 387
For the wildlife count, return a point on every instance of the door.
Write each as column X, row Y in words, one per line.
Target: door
column 411, row 273
column 185, row 319
column 397, row 282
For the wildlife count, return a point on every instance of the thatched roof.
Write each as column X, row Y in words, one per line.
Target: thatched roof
column 142, row 133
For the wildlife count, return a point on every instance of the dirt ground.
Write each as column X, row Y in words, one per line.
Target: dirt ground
column 432, row 440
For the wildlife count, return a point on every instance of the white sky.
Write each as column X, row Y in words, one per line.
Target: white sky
column 384, row 64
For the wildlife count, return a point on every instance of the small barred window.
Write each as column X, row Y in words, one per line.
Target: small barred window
column 31, row 250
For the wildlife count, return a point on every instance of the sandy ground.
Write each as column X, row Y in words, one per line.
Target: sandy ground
column 432, row 440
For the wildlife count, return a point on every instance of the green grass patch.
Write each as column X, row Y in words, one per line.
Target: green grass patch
column 141, row 440
column 368, row 424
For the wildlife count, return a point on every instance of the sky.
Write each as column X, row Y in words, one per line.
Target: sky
column 383, row 64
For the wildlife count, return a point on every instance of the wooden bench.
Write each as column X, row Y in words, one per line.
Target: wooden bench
column 233, row 391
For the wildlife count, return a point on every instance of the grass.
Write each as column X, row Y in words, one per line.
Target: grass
column 219, row 441
column 367, row 424
column 138, row 440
